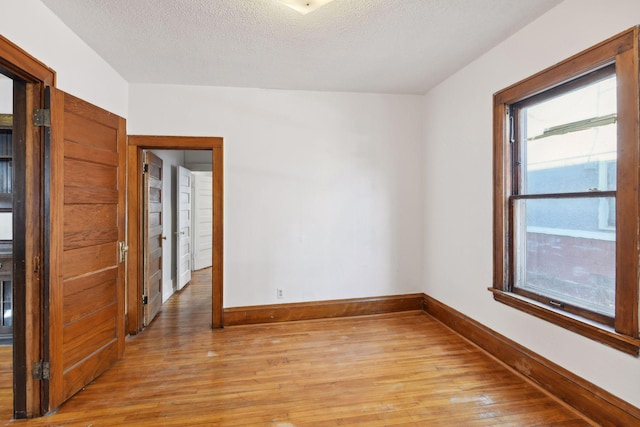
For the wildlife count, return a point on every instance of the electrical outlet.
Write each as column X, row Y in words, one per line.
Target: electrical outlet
column 279, row 293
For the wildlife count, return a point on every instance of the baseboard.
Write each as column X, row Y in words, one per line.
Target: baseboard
column 321, row 309
column 594, row 402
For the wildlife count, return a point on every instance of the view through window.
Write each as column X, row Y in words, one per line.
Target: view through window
column 566, row 177
column 565, row 199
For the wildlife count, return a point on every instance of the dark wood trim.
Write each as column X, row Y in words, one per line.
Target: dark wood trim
column 31, row 76
column 217, row 316
column 19, row 65
column 524, row 299
column 159, row 142
column 628, row 183
column 501, row 188
column 623, row 50
column 46, row 245
column 18, row 206
column 591, row 400
column 589, row 78
column 136, row 143
column 133, row 310
column 321, row 309
column 122, row 233
column 55, row 231
column 578, row 65
column 582, row 326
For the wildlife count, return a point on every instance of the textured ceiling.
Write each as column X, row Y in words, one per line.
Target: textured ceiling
column 388, row 46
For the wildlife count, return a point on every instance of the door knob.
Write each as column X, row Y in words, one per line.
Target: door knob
column 123, row 248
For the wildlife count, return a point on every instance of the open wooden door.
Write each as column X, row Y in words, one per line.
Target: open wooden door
column 183, row 235
column 84, row 319
column 152, row 219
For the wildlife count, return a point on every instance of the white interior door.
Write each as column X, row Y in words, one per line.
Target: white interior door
column 202, row 219
column 183, row 220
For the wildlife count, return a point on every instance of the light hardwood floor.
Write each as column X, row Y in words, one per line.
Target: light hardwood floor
column 386, row 370
column 6, row 382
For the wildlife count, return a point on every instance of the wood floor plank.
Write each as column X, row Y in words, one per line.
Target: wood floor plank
column 400, row 369
column 6, row 381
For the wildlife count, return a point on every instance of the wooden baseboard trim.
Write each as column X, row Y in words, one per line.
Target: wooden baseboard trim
column 321, row 309
column 594, row 402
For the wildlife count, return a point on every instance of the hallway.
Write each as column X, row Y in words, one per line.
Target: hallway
column 400, row 369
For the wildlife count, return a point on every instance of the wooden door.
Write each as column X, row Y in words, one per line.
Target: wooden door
column 202, row 220
column 152, row 218
column 86, row 221
column 183, row 262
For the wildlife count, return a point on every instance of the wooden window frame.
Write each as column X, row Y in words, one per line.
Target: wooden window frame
column 623, row 51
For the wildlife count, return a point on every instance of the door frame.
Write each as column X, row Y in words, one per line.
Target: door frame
column 28, row 335
column 136, row 144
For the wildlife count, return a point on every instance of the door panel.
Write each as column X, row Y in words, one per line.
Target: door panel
column 91, row 224
column 152, row 284
column 86, row 280
column 184, row 226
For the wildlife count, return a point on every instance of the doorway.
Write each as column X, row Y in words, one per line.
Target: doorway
column 137, row 145
column 27, row 78
column 181, row 244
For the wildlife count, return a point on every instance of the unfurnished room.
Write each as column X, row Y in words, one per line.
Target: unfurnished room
column 320, row 213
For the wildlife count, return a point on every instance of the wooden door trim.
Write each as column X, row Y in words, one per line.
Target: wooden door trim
column 136, row 143
column 28, row 335
column 22, row 66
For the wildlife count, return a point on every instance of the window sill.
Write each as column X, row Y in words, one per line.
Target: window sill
column 588, row 328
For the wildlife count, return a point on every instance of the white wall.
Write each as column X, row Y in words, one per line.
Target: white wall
column 80, row 71
column 171, row 159
column 198, row 160
column 458, row 186
column 322, row 190
column 6, row 95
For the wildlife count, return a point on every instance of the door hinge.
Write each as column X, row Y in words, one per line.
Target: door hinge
column 145, row 300
column 42, row 117
column 41, row 370
column 145, row 168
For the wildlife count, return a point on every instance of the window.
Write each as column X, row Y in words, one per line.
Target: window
column 566, row 193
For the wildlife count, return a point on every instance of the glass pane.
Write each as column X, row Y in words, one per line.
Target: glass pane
column 566, row 251
column 6, row 226
column 570, row 141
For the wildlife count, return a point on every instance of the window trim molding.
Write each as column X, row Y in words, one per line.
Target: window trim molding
column 623, row 50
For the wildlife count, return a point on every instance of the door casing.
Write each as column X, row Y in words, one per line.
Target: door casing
column 136, row 145
column 31, row 76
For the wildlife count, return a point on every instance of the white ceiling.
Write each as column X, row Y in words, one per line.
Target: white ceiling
column 387, row 46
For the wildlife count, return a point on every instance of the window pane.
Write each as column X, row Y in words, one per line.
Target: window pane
column 563, row 253
column 568, row 139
